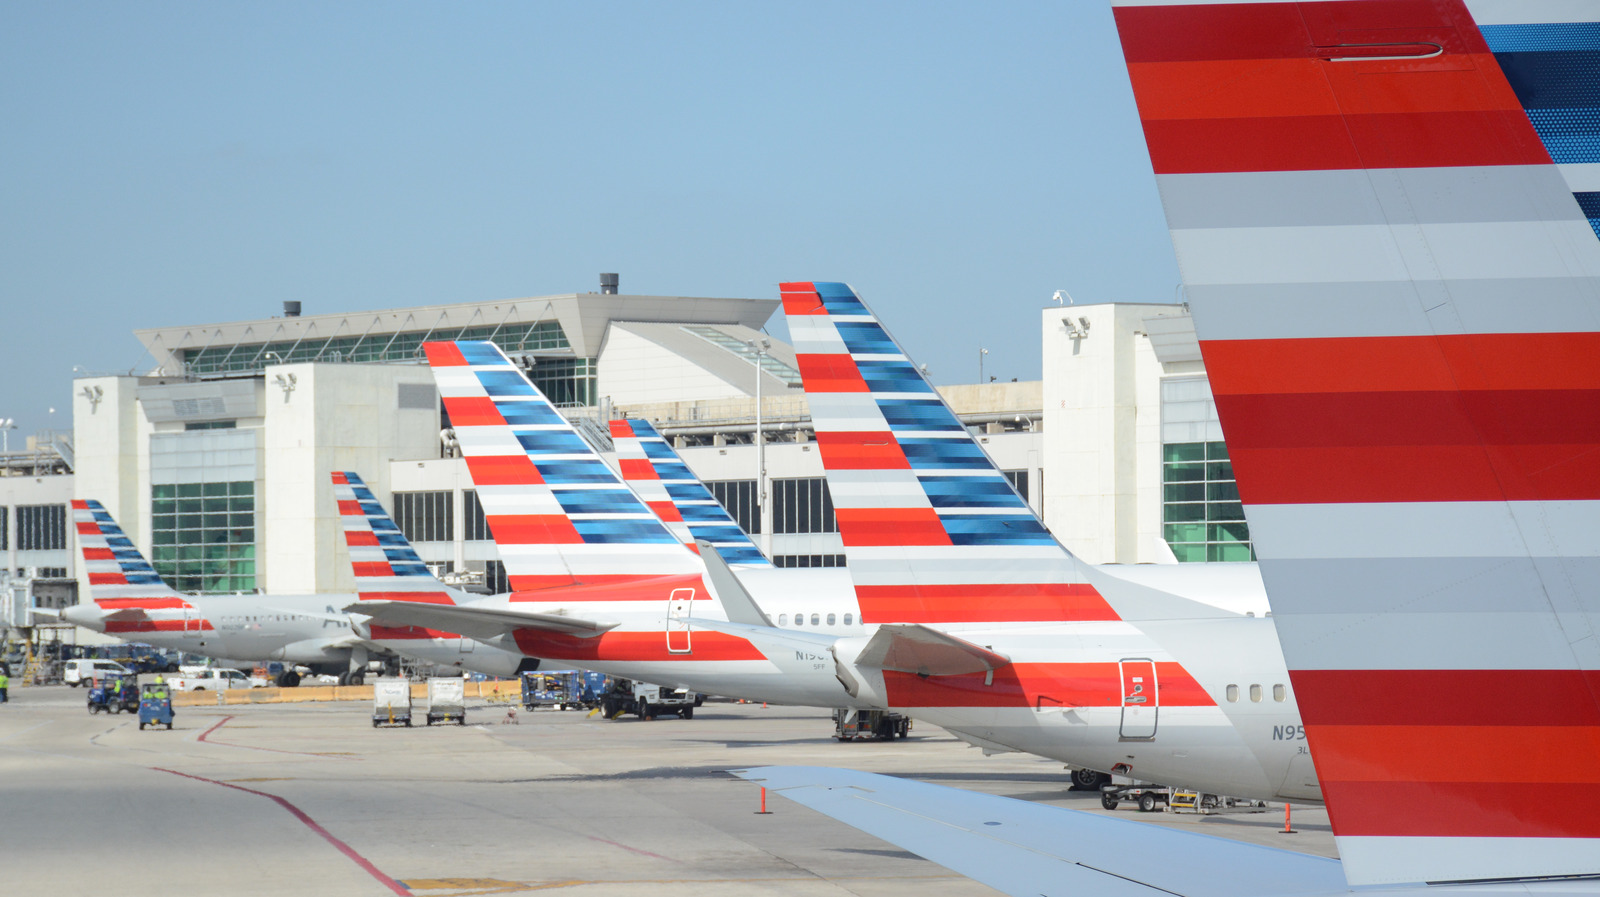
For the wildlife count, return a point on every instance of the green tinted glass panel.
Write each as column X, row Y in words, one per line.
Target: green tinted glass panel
column 1198, row 485
column 1184, row 451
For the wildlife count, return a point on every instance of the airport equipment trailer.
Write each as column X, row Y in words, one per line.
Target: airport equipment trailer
column 864, row 725
column 391, row 702
column 446, row 700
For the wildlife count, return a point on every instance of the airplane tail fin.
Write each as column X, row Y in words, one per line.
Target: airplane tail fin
column 123, row 586
column 683, row 503
column 387, row 568
column 1397, row 299
column 933, row 531
column 559, row 515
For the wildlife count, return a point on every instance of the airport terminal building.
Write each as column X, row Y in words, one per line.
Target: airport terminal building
column 216, row 462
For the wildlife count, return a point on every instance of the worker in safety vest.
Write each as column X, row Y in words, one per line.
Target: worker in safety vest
column 5, row 683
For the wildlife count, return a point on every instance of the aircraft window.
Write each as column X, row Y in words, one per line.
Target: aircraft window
column 799, row 619
column 830, row 619
column 1277, row 693
column 1255, row 693
column 816, row 619
column 848, row 618
column 1233, row 693
column 783, row 619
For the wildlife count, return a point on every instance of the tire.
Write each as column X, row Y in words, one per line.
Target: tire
column 170, row 668
column 688, row 713
column 1108, row 800
column 1147, row 801
column 169, row 727
column 644, row 710
column 288, row 679
column 357, row 679
column 200, row 688
column 1088, row 779
column 141, row 725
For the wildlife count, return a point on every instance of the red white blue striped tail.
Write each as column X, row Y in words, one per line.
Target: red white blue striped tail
column 1397, row 296
column 386, row 567
column 934, row 532
column 683, row 503
column 558, row 513
column 120, row 579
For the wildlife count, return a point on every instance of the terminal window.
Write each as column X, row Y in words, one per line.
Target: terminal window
column 738, row 498
column 41, row 527
column 5, row 518
column 473, row 518
column 424, row 516
column 203, row 535
column 1202, row 517
column 802, row 506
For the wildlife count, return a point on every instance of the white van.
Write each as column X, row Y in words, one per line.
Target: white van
column 79, row 672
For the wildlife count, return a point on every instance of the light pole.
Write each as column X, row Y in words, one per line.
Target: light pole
column 758, row 351
column 981, row 354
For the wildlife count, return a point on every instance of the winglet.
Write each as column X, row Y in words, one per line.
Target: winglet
column 737, row 602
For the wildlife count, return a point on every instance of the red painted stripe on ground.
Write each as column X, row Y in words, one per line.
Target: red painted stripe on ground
column 1042, row 685
column 310, row 823
column 1447, row 697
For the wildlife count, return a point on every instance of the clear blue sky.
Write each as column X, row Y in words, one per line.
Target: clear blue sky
column 171, row 163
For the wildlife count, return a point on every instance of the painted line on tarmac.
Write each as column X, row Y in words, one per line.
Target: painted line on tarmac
column 632, row 849
column 300, row 814
column 205, row 737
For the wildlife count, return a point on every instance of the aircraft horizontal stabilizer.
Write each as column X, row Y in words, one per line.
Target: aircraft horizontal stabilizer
column 475, row 622
column 914, row 648
column 736, row 601
column 1013, row 845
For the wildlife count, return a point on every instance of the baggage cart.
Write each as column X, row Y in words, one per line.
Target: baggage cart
column 391, row 702
column 447, row 700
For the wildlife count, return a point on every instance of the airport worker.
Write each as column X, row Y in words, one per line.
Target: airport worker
column 5, row 683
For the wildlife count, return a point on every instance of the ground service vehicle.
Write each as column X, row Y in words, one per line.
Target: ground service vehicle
column 78, row 672
column 647, row 701
column 447, row 700
column 155, row 705
column 212, row 680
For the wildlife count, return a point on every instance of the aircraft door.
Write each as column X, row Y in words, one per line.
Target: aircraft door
column 192, row 623
column 1140, row 703
column 679, row 605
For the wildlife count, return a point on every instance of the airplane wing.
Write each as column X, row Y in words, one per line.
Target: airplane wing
column 476, row 622
column 1014, row 846
column 914, row 648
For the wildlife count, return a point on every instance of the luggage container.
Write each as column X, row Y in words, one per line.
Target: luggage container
column 447, row 700
column 391, row 702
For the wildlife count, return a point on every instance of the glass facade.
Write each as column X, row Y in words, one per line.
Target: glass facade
column 473, row 518
column 41, row 527
column 802, row 506
column 424, row 516
column 738, row 498
column 1201, row 515
column 404, row 346
column 566, row 382
column 203, row 535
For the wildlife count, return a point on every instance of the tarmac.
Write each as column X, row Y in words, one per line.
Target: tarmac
column 278, row 799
